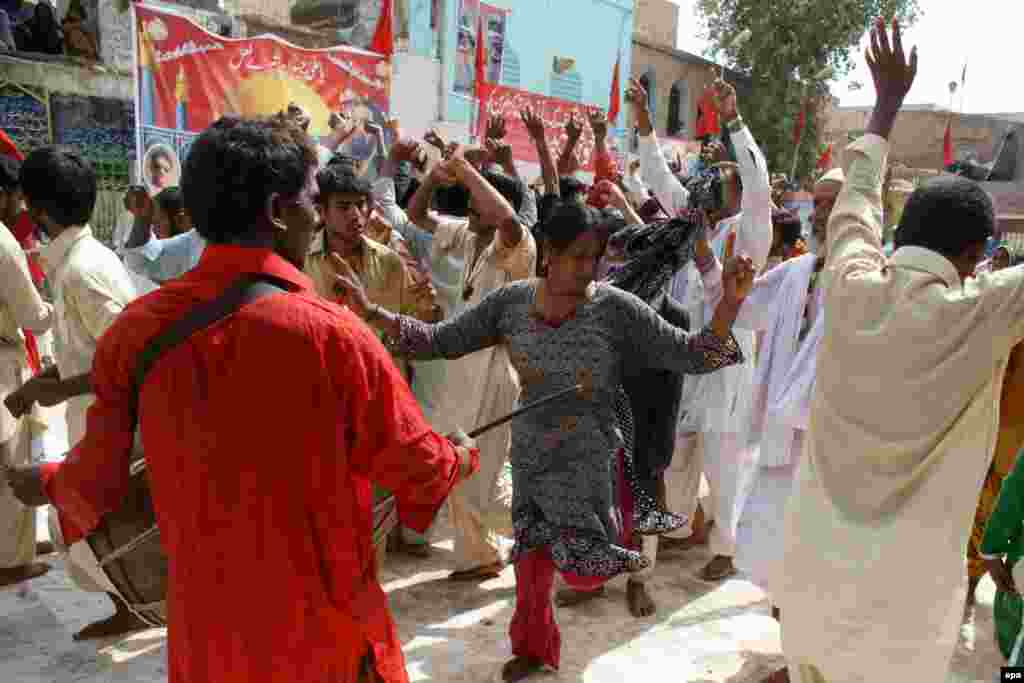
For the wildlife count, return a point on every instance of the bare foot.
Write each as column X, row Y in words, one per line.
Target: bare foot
column 488, row 571
column 699, row 537
column 567, row 597
column 720, row 567
column 518, row 668
column 15, row 575
column 122, row 622
column 639, row 600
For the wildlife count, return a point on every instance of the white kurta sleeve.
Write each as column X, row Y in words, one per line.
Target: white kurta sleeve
column 655, row 172
column 754, row 232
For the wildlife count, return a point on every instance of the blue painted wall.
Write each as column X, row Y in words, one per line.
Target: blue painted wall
column 593, row 32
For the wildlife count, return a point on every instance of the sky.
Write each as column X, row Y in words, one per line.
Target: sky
column 984, row 34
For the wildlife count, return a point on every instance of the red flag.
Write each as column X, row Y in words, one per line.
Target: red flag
column 613, row 100
column 707, row 115
column 481, row 85
column 947, row 144
column 825, row 158
column 798, row 130
column 383, row 37
column 8, row 147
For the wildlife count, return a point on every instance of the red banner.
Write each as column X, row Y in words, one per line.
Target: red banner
column 189, row 77
column 508, row 102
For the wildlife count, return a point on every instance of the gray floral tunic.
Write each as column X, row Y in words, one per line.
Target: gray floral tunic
column 563, row 456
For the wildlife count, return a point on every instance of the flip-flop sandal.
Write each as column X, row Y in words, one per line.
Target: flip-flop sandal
column 491, row 571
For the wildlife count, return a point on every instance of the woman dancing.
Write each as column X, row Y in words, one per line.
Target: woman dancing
column 562, row 329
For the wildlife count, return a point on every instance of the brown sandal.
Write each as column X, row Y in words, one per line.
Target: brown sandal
column 488, row 571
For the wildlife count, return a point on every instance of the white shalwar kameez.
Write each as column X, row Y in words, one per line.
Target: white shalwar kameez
column 90, row 289
column 783, row 379
column 716, row 407
column 903, row 424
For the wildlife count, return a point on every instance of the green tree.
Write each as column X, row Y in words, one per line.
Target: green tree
column 794, row 49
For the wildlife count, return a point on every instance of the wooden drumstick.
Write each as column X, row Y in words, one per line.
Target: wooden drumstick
column 578, row 388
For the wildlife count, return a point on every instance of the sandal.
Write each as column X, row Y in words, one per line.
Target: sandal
column 488, row 571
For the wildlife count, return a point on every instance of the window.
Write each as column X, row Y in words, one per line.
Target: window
column 678, row 109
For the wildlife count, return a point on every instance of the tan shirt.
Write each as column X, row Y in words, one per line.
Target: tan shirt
column 382, row 273
column 90, row 289
column 20, row 307
column 904, row 419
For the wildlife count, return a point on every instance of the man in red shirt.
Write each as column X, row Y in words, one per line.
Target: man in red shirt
column 264, row 433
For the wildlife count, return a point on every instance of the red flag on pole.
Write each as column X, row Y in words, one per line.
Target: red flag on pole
column 825, row 158
column 613, row 100
column 482, row 89
column 383, row 37
column 947, row 144
column 798, row 129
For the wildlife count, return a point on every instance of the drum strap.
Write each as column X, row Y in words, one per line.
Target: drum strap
column 245, row 290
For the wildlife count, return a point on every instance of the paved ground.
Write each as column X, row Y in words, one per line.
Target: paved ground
column 703, row 632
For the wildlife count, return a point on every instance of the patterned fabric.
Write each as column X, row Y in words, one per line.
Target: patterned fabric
column 562, row 457
column 654, row 254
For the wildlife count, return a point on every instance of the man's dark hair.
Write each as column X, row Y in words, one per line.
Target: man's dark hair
column 338, row 179
column 61, row 183
column 452, row 200
column 346, row 161
column 10, row 169
column 509, row 188
column 170, row 200
column 787, row 224
column 947, row 215
column 568, row 187
column 235, row 165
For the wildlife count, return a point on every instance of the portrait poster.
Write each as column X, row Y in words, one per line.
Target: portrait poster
column 465, row 47
column 187, row 78
column 495, row 23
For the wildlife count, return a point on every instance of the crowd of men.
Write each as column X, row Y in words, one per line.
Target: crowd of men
column 417, row 295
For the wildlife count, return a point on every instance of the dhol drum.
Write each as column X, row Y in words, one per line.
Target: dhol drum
column 127, row 545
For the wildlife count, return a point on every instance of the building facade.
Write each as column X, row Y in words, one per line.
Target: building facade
column 675, row 79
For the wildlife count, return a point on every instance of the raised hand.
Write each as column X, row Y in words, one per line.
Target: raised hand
column 349, row 287
column 434, row 139
column 496, row 128
column 724, row 97
column 499, row 151
column 892, row 73
column 573, row 127
column 636, row 95
column 598, row 124
column 738, row 279
column 534, row 124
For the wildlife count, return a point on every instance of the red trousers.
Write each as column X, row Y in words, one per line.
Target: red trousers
column 534, row 630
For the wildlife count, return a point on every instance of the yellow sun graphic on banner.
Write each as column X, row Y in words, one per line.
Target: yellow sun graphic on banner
column 268, row 93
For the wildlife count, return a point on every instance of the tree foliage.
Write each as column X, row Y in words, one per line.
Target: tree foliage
column 791, row 43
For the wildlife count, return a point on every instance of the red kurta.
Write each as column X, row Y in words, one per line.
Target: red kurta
column 263, row 434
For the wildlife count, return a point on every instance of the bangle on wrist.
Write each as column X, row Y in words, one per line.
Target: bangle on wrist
column 735, row 125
